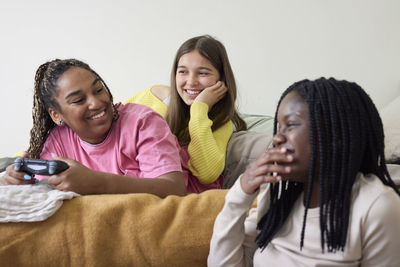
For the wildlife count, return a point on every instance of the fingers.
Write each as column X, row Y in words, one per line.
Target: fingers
column 218, row 88
column 70, row 162
column 251, row 185
column 215, row 86
column 55, row 180
column 268, row 168
column 211, row 95
column 13, row 177
column 274, row 157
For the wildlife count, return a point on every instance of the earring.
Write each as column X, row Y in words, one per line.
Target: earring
column 61, row 122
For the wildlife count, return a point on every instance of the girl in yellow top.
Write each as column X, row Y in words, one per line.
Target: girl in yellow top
column 199, row 108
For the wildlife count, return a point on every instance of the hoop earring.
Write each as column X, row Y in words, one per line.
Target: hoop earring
column 61, row 122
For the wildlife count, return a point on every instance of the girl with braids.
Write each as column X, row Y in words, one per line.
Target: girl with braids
column 328, row 200
column 109, row 148
column 199, row 108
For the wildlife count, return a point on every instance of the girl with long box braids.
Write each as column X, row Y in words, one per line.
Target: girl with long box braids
column 326, row 196
column 109, row 148
column 199, row 107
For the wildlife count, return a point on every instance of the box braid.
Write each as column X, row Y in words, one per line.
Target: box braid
column 346, row 137
column 45, row 91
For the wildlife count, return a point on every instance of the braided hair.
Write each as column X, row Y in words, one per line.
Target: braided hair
column 346, row 137
column 45, row 90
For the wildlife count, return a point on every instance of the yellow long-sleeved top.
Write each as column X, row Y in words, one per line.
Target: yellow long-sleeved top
column 207, row 149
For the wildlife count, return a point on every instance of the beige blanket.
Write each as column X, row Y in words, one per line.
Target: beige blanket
column 117, row 230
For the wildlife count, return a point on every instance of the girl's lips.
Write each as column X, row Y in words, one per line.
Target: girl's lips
column 193, row 91
column 98, row 115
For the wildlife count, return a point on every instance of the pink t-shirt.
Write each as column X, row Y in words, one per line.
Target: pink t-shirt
column 139, row 144
column 193, row 184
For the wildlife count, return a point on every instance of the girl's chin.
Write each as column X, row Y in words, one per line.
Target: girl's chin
column 189, row 102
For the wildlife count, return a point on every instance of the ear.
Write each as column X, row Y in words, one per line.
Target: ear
column 55, row 116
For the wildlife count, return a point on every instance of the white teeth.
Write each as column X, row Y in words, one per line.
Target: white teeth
column 98, row 115
column 193, row 92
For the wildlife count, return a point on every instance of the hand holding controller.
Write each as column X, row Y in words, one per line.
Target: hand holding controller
column 40, row 166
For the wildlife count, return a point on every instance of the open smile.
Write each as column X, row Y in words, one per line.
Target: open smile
column 193, row 92
column 98, row 115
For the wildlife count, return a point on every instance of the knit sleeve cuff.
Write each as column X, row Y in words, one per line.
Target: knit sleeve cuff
column 199, row 110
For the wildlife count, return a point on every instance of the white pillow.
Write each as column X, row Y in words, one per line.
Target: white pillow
column 390, row 115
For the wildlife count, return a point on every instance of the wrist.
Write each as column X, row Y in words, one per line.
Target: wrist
column 101, row 183
column 199, row 109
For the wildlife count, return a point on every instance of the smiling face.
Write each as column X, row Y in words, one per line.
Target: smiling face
column 294, row 135
column 85, row 105
column 194, row 73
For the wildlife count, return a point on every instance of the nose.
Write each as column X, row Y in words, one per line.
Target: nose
column 278, row 139
column 192, row 80
column 93, row 102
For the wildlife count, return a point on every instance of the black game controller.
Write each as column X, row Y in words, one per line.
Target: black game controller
column 39, row 166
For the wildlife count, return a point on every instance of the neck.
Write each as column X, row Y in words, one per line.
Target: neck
column 314, row 200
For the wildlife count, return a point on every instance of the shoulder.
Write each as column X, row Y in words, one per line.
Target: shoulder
column 370, row 186
column 60, row 139
column 134, row 110
column 134, row 114
column 376, row 218
column 374, row 198
column 160, row 91
column 59, row 133
column 155, row 91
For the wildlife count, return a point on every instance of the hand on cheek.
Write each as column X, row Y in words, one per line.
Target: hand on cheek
column 211, row 95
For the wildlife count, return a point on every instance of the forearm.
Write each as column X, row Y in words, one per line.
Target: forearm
column 232, row 244
column 162, row 187
column 207, row 149
column 86, row 182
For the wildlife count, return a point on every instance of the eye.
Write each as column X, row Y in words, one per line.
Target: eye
column 203, row 73
column 98, row 91
column 292, row 124
column 77, row 101
column 182, row 71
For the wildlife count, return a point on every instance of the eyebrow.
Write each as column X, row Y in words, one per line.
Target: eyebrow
column 77, row 92
column 200, row 68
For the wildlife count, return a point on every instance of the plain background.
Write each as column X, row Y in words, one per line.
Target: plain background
column 131, row 44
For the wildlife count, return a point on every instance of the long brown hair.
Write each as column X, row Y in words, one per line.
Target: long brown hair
column 45, row 91
column 178, row 113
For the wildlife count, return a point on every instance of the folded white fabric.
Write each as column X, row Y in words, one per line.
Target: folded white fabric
column 30, row 203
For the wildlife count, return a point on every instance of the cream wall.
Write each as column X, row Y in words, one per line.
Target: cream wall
column 131, row 44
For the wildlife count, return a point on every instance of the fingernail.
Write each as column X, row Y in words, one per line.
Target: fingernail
column 27, row 177
column 53, row 154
